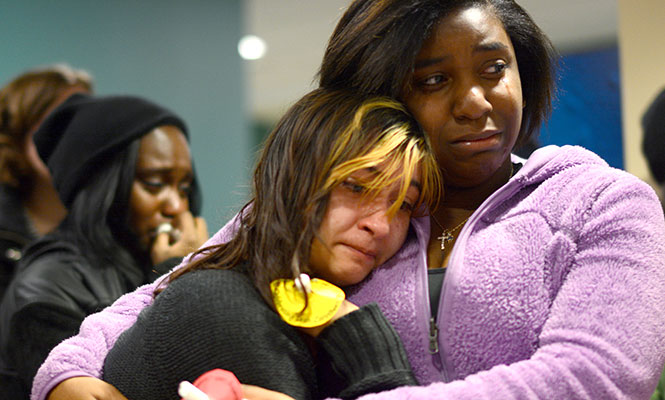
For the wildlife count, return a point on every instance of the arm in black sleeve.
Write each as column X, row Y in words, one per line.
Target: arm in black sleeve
column 34, row 331
column 367, row 351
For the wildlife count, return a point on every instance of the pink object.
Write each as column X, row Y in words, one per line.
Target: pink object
column 219, row 384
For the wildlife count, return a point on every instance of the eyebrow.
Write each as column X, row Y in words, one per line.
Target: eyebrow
column 158, row 171
column 492, row 46
column 480, row 48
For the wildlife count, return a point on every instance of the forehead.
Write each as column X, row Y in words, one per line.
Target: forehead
column 469, row 29
column 164, row 147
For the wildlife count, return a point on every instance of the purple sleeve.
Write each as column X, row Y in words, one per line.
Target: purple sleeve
column 84, row 354
column 604, row 337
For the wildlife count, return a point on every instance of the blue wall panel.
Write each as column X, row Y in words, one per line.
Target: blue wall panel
column 587, row 111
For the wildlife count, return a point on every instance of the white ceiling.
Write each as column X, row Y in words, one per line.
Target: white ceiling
column 296, row 32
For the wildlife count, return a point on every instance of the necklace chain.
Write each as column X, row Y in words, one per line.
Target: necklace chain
column 447, row 235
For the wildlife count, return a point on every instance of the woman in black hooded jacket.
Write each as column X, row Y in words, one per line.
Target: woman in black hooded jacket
column 121, row 165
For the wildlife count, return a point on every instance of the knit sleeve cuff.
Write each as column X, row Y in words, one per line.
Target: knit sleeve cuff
column 367, row 352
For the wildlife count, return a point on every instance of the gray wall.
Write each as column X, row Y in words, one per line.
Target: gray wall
column 181, row 54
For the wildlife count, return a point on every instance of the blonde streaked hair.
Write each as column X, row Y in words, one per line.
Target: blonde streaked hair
column 321, row 140
column 397, row 149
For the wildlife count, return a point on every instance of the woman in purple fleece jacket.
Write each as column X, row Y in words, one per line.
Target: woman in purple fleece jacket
column 554, row 267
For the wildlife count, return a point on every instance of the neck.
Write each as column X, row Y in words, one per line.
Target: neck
column 470, row 198
column 454, row 210
column 460, row 202
column 43, row 207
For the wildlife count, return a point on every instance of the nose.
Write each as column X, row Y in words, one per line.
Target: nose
column 376, row 222
column 174, row 203
column 471, row 102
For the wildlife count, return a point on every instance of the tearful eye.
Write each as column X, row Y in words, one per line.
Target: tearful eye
column 353, row 186
column 185, row 188
column 151, row 186
column 433, row 80
column 406, row 206
column 496, row 68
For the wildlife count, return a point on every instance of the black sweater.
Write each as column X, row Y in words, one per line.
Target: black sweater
column 217, row 319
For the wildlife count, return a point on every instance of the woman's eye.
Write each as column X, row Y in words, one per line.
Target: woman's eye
column 185, row 188
column 353, row 186
column 433, row 80
column 496, row 68
column 406, row 206
column 152, row 186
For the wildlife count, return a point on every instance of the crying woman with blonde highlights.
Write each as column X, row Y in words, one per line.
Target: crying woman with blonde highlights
column 335, row 134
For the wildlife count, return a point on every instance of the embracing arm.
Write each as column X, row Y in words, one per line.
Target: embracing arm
column 604, row 335
column 84, row 354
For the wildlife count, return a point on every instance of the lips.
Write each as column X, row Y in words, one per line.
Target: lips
column 472, row 137
column 364, row 253
column 477, row 142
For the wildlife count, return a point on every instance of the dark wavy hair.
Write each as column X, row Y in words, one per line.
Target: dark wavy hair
column 375, row 44
column 98, row 220
column 320, row 141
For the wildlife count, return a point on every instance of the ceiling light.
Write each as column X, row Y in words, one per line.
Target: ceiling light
column 251, row 47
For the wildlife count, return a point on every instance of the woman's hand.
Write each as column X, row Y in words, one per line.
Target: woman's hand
column 190, row 234
column 85, row 388
column 346, row 308
column 251, row 392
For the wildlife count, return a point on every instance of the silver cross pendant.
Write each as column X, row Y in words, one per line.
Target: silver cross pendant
column 445, row 237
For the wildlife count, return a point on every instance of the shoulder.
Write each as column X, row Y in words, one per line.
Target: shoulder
column 44, row 287
column 208, row 279
column 50, row 261
column 209, row 288
column 211, row 297
column 576, row 173
column 576, row 197
column 552, row 160
column 49, row 273
column 572, row 190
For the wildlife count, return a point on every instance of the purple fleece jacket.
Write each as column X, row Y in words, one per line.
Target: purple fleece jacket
column 555, row 290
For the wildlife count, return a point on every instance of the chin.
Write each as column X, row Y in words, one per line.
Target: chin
column 354, row 279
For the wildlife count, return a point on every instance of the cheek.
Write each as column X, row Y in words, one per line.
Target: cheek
column 341, row 214
column 143, row 206
column 422, row 111
column 510, row 94
column 432, row 113
column 399, row 227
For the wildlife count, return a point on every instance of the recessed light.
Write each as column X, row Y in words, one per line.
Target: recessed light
column 251, row 47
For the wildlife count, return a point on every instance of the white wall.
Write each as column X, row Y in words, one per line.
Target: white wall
column 642, row 64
